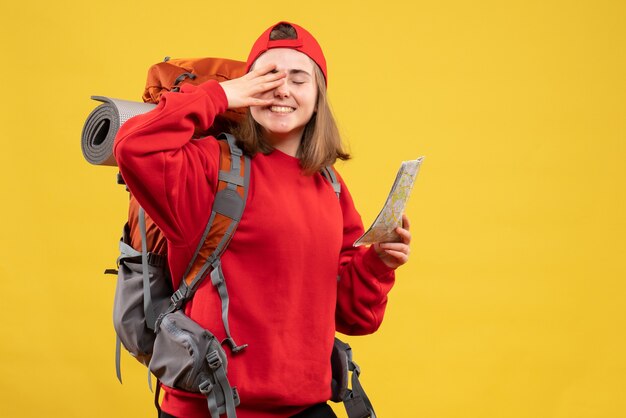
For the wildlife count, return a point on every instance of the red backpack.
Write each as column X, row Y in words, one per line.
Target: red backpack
column 147, row 312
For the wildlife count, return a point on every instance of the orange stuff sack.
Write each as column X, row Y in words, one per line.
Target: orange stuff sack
column 171, row 74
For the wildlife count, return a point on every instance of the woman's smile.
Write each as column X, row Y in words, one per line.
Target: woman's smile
column 281, row 109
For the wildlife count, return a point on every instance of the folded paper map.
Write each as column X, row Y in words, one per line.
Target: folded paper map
column 390, row 217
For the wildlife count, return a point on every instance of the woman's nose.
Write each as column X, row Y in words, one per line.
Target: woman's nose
column 282, row 90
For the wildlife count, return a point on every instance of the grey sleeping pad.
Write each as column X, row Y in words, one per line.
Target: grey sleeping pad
column 102, row 125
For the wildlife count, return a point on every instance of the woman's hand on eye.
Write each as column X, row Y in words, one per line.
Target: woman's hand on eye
column 247, row 90
column 395, row 254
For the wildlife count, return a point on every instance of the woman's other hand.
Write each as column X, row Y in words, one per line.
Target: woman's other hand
column 246, row 91
column 395, row 254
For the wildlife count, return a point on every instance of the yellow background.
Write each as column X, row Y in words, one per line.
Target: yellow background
column 513, row 302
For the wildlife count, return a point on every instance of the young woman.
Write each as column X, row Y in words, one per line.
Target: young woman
column 293, row 276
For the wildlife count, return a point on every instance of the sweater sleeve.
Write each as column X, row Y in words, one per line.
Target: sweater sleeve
column 172, row 176
column 364, row 280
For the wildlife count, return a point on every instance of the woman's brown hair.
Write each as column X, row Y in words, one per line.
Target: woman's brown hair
column 321, row 143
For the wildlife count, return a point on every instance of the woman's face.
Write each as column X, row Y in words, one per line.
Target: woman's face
column 293, row 102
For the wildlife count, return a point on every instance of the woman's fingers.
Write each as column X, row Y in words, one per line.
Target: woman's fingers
column 405, row 222
column 401, row 257
column 397, row 253
column 393, row 254
column 248, row 90
column 396, row 246
column 260, row 71
column 271, row 84
column 405, row 235
column 403, row 231
column 267, row 76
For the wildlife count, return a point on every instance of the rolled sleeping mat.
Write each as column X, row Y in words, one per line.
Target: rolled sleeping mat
column 102, row 125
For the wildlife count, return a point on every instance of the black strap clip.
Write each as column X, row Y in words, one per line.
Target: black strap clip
column 182, row 78
column 177, row 299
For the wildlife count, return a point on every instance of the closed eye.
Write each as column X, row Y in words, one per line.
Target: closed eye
column 299, row 76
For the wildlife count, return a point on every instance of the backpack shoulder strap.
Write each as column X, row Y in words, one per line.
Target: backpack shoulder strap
column 227, row 210
column 355, row 400
column 329, row 174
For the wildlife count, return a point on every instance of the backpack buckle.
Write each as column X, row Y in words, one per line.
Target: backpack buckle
column 177, row 299
column 236, row 151
column 205, row 387
column 215, row 362
column 236, row 396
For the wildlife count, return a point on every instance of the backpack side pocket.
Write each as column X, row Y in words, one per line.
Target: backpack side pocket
column 129, row 318
column 188, row 357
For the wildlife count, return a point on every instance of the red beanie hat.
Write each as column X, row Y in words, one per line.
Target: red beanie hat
column 304, row 42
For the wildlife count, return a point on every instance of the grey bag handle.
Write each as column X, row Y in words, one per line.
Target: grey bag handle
column 148, row 308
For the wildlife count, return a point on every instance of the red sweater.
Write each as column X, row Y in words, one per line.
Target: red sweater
column 292, row 274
